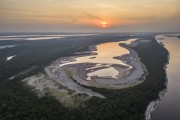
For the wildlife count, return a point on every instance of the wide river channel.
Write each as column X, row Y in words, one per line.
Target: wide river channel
column 169, row 106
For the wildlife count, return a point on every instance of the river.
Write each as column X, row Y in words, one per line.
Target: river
column 169, row 106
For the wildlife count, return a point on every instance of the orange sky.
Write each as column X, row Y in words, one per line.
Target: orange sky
column 88, row 15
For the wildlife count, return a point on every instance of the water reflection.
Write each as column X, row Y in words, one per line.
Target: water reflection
column 104, row 58
column 169, row 107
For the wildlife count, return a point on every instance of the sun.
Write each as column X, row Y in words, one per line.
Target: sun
column 104, row 24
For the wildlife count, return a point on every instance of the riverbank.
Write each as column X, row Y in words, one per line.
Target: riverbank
column 127, row 76
column 129, row 103
column 73, row 76
column 138, row 96
column 70, row 94
column 152, row 106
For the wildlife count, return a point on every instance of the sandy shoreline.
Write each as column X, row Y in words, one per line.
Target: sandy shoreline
column 130, row 77
column 152, row 106
column 64, row 81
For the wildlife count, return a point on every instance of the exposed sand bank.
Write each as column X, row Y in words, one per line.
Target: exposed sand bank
column 64, row 90
column 64, row 81
column 126, row 77
column 7, row 46
column 10, row 57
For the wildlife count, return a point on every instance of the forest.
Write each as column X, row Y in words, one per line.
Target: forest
column 18, row 102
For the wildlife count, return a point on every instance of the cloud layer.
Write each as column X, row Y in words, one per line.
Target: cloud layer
column 86, row 15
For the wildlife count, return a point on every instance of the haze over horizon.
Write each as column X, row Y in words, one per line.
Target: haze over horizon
column 89, row 16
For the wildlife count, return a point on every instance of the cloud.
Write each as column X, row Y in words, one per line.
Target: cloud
column 93, row 16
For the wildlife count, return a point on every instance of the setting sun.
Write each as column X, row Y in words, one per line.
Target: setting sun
column 104, row 24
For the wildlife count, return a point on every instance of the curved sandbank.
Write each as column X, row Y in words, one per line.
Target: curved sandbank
column 131, row 72
column 64, row 77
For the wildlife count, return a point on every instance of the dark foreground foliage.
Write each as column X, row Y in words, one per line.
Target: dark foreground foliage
column 17, row 102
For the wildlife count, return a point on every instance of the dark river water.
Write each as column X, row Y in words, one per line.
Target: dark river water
column 169, row 106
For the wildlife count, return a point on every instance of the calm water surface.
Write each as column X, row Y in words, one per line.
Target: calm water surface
column 169, row 107
column 104, row 58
